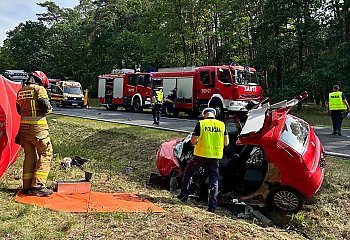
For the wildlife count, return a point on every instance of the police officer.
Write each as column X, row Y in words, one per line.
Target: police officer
column 33, row 105
column 157, row 104
column 209, row 138
column 336, row 105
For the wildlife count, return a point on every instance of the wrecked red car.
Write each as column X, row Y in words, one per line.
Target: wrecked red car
column 276, row 159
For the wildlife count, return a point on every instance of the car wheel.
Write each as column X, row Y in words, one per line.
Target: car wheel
column 285, row 198
column 136, row 106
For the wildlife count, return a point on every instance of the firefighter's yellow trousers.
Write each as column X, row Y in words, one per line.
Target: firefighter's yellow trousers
column 37, row 147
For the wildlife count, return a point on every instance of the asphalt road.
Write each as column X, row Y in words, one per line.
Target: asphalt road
column 334, row 145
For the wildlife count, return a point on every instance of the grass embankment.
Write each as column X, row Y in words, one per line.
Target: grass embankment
column 113, row 149
column 317, row 115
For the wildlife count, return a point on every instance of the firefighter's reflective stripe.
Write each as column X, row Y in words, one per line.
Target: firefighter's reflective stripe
column 211, row 140
column 43, row 175
column 34, row 120
column 27, row 175
column 336, row 101
column 43, row 96
column 32, row 104
column 168, row 100
column 28, row 94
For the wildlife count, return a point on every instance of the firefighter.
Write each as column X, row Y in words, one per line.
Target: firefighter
column 209, row 138
column 33, row 105
column 86, row 98
column 337, row 104
column 157, row 104
column 168, row 105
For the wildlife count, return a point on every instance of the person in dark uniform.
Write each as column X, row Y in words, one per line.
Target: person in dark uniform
column 168, row 105
column 337, row 104
column 209, row 138
column 157, row 104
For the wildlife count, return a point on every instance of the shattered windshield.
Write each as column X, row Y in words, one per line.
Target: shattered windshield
column 72, row 90
column 246, row 77
column 295, row 133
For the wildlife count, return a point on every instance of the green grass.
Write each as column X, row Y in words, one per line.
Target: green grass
column 317, row 115
column 111, row 149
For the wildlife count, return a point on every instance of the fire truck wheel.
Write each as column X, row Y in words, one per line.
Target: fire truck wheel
column 285, row 198
column 218, row 108
column 136, row 106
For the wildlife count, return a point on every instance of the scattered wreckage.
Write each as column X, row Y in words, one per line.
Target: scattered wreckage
column 276, row 160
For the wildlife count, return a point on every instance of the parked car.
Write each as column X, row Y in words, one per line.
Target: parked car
column 276, row 159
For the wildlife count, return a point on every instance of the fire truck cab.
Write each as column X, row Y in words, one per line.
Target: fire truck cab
column 227, row 88
column 125, row 88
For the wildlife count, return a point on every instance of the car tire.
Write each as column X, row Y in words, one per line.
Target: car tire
column 136, row 106
column 285, row 199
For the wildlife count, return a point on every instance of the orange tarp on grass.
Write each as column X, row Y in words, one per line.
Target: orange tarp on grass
column 99, row 202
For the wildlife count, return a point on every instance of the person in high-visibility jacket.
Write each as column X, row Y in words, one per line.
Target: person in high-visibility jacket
column 33, row 105
column 209, row 138
column 86, row 98
column 337, row 104
column 157, row 102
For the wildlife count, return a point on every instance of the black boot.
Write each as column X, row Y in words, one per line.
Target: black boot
column 40, row 192
column 182, row 197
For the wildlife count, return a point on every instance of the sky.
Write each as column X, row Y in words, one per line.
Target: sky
column 13, row 12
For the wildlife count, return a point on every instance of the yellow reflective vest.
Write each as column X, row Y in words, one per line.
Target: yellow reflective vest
column 336, row 101
column 210, row 143
column 158, row 98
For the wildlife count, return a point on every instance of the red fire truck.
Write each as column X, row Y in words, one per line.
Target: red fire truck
column 227, row 88
column 125, row 88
